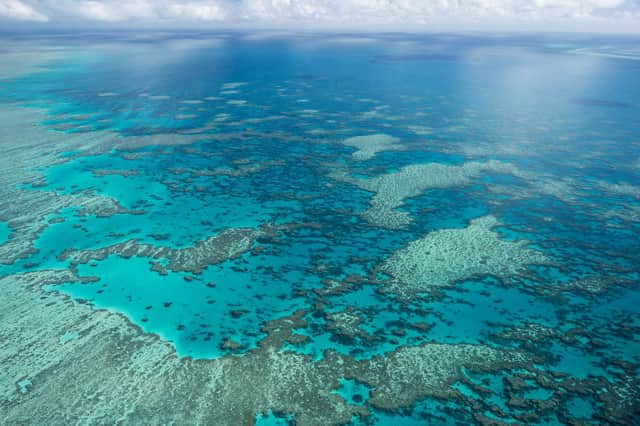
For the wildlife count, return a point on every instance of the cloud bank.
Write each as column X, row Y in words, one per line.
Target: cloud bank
column 344, row 14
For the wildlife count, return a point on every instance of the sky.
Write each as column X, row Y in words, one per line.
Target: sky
column 345, row 15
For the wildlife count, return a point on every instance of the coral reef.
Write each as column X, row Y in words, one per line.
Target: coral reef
column 26, row 146
column 413, row 373
column 368, row 146
column 391, row 189
column 110, row 370
column 194, row 262
column 228, row 244
column 619, row 188
column 444, row 257
column 346, row 323
column 17, row 63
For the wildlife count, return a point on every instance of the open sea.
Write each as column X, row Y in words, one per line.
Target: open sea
column 295, row 228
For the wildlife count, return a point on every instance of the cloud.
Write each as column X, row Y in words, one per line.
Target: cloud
column 20, row 11
column 99, row 11
column 147, row 11
column 196, row 11
column 345, row 14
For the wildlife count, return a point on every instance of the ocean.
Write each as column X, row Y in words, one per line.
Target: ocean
column 275, row 227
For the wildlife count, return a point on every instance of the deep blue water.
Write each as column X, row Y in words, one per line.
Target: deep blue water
column 529, row 101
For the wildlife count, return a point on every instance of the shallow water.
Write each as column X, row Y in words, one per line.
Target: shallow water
column 244, row 132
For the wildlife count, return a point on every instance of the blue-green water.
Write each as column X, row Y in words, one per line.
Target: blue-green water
column 5, row 231
column 283, row 106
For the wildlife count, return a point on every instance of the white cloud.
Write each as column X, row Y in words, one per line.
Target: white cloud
column 98, row 11
column 345, row 14
column 196, row 11
column 20, row 11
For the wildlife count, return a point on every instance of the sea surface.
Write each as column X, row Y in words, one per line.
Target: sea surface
column 394, row 191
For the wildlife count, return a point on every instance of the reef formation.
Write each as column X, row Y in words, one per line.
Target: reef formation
column 263, row 249
column 447, row 256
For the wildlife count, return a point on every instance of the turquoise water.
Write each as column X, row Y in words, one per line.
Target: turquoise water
column 5, row 231
column 266, row 121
